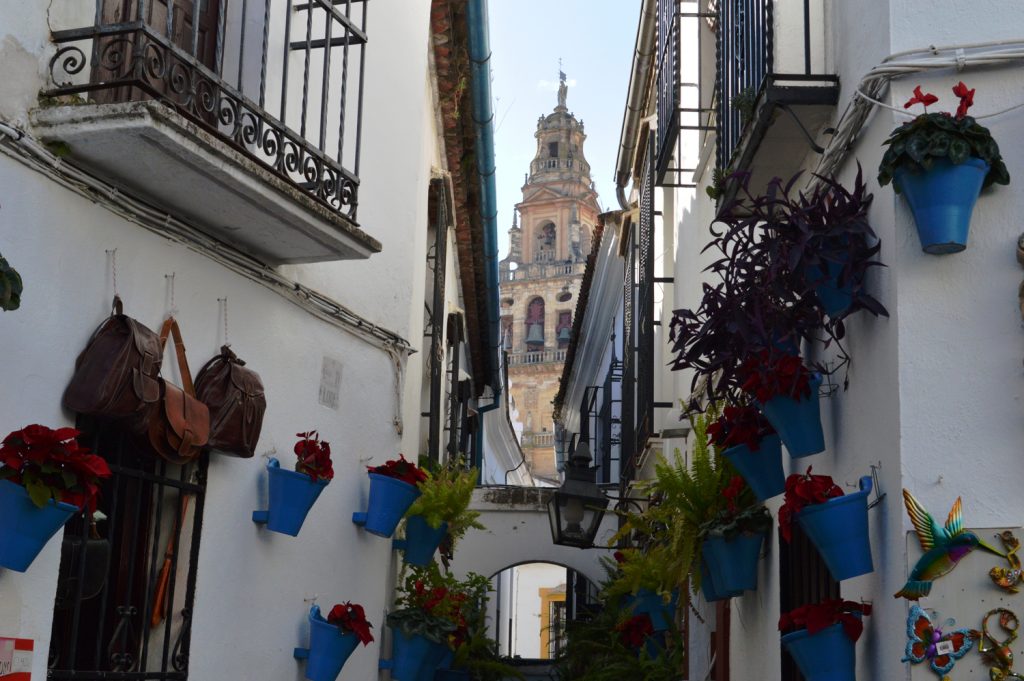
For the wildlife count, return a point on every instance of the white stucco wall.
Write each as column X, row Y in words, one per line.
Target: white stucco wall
column 527, row 582
column 254, row 586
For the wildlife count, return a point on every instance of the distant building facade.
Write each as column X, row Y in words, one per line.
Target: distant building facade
column 551, row 236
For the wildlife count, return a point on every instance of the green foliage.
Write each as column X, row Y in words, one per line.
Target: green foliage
column 445, row 497
column 916, row 144
column 744, row 102
column 595, row 651
column 10, row 286
column 716, row 189
column 649, row 568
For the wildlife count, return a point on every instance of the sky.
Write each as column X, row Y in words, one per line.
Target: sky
column 595, row 41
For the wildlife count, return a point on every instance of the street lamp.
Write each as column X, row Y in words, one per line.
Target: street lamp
column 577, row 507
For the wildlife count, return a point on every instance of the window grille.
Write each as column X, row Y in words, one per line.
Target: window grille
column 126, row 587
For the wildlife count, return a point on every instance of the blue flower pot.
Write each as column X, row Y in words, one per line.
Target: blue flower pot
column 421, row 540
column 390, row 498
column 329, row 648
column 452, row 675
column 25, row 528
column 436, row 657
column 651, row 603
column 826, row 656
column 762, row 469
column 733, row 562
column 942, row 200
column 834, row 299
column 839, row 529
column 798, row 423
column 291, row 495
column 654, row 645
column 709, row 586
column 413, row 658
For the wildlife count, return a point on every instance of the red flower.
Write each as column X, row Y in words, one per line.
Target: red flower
column 966, row 98
column 314, row 456
column 804, row 490
column 351, row 617
column 767, row 375
column 921, row 98
column 635, row 630
column 52, row 462
column 399, row 468
column 735, row 488
column 818, row 616
column 743, row 425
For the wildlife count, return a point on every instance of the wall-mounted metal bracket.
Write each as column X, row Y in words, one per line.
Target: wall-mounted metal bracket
column 879, row 494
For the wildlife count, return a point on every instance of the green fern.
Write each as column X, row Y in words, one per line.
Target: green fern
column 445, row 497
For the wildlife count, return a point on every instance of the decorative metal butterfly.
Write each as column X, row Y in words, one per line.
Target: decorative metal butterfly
column 941, row 646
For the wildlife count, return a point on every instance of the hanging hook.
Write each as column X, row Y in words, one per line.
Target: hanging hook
column 112, row 258
column 224, row 307
column 173, row 311
column 879, row 494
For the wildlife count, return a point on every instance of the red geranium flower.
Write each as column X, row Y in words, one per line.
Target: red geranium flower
column 635, row 630
column 314, row 456
column 966, row 98
column 351, row 617
column 804, row 490
column 399, row 468
column 818, row 616
column 768, row 375
column 921, row 98
column 743, row 425
column 733, row 491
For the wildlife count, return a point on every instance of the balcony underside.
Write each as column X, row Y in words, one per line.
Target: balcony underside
column 790, row 114
column 153, row 151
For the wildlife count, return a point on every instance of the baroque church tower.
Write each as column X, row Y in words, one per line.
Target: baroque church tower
column 550, row 239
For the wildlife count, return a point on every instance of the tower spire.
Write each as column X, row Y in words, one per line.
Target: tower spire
column 563, row 89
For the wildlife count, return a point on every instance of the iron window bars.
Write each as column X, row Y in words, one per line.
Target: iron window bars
column 107, row 594
column 229, row 76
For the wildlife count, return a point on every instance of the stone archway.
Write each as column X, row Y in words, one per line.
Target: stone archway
column 518, row 532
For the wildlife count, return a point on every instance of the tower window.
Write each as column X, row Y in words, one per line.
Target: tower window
column 553, row 149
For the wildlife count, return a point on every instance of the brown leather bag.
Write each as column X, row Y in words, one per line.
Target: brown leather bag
column 116, row 375
column 234, row 395
column 178, row 426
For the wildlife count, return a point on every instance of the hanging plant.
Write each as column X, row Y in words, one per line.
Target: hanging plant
column 394, row 486
column 752, row 445
column 940, row 163
column 816, row 617
column 293, row 493
column 10, row 286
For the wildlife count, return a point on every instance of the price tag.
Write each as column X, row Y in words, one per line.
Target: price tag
column 944, row 648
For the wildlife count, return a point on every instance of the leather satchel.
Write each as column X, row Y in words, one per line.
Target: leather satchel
column 178, row 427
column 234, row 395
column 116, row 375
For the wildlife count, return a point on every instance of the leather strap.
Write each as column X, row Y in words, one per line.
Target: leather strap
column 117, row 307
column 170, row 327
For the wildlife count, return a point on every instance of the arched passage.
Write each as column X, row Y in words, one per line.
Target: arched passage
column 518, row 532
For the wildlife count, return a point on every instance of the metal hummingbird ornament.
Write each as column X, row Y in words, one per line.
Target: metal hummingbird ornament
column 938, row 646
column 944, row 547
column 1008, row 578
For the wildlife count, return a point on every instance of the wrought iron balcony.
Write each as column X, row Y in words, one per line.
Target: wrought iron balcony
column 773, row 93
column 275, row 81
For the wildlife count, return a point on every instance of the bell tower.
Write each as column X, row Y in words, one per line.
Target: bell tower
column 551, row 236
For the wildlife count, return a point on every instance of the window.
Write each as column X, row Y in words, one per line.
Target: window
column 556, row 637
column 535, row 325
column 546, row 241
column 804, row 578
column 564, row 329
column 553, row 149
column 126, row 584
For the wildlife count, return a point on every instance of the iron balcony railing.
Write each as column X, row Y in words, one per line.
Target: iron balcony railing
column 281, row 80
column 535, row 357
column 744, row 59
column 543, row 271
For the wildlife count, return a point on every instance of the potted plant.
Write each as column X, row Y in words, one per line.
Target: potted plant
column 45, row 478
column 429, row 622
column 332, row 640
column 10, row 286
column 821, row 638
column 646, row 584
column 733, row 538
column 940, row 163
column 441, row 511
column 788, row 394
column 394, row 485
column 475, row 655
column 750, row 444
column 836, row 523
column 293, row 493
